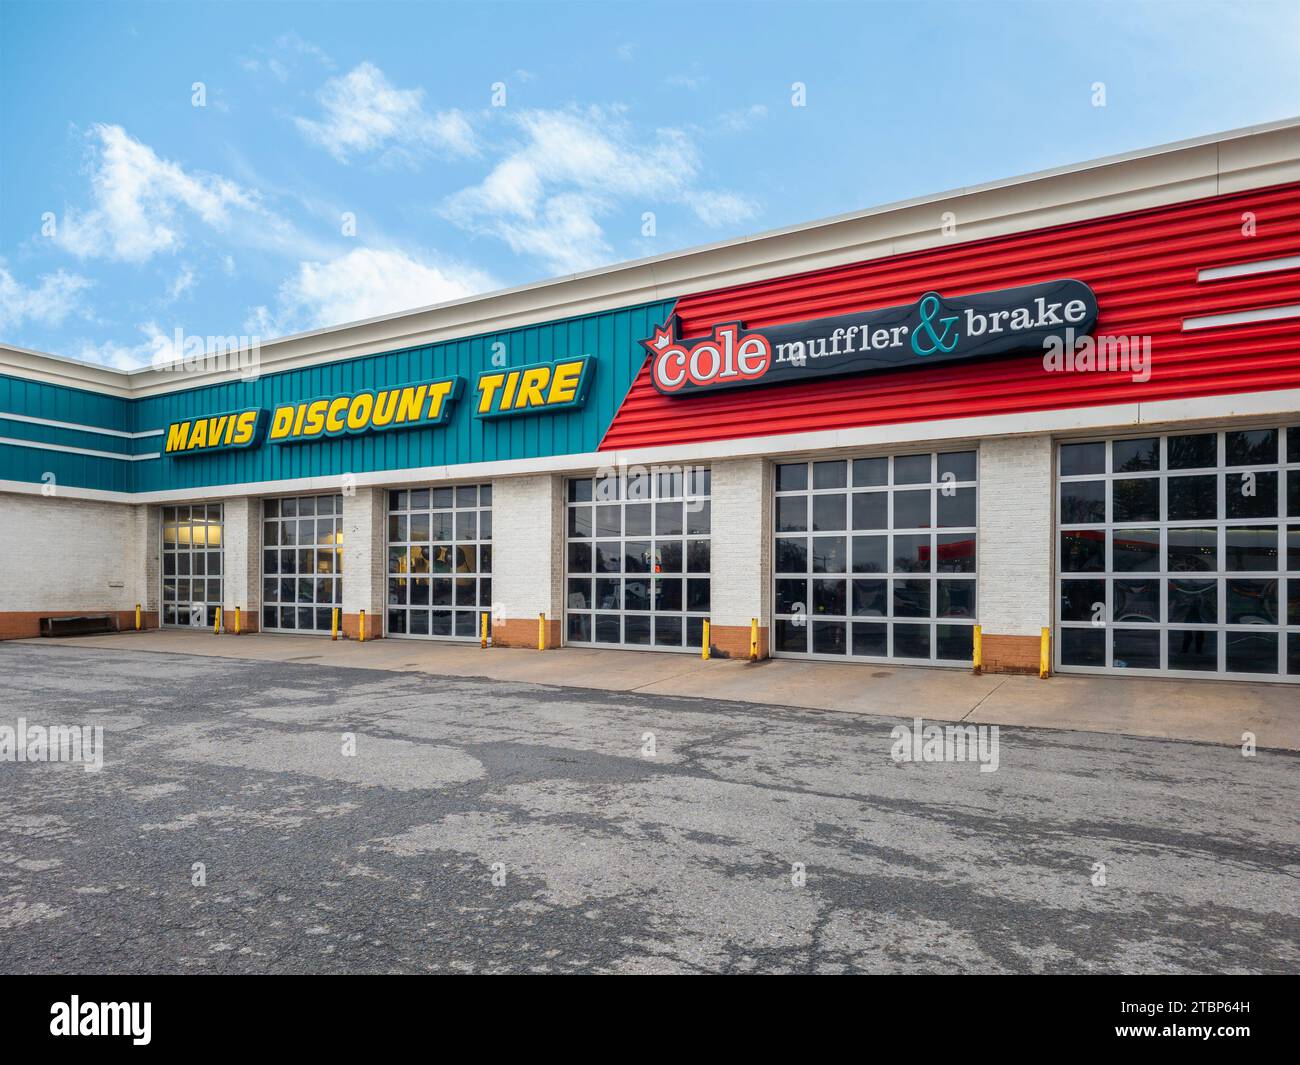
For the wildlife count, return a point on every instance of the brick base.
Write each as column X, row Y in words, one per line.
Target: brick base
column 248, row 622
column 732, row 641
column 350, row 625
column 1011, row 654
column 522, row 632
column 26, row 624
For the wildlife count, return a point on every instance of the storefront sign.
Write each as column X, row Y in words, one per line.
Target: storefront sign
column 409, row 407
column 932, row 330
column 220, row 432
column 540, row 388
column 547, row 386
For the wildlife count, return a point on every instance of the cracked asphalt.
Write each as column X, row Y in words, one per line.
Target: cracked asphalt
column 484, row 826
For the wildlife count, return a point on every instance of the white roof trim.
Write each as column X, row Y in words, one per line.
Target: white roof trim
column 1239, row 160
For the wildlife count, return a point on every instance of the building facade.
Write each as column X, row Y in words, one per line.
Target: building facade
column 1067, row 401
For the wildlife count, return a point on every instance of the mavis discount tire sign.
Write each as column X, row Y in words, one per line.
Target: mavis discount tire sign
column 932, row 330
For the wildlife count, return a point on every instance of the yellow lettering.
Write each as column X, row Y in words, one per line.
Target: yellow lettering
column 281, row 422
column 297, row 422
column 315, row 420
column 530, row 390
column 216, row 426
column 359, row 411
column 508, row 396
column 199, row 438
column 438, row 393
column 334, row 419
column 385, row 408
column 487, row 387
column 245, row 427
column 564, row 385
column 177, row 433
column 411, row 404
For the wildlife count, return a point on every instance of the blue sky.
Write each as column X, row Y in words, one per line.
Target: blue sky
column 128, row 213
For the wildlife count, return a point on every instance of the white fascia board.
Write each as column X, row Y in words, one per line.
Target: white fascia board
column 1283, row 404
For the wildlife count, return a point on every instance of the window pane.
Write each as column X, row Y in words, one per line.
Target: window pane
column 1077, row 459
column 1254, row 447
column 832, row 474
column 1193, row 498
column 1197, row 452
column 1135, row 499
column 1130, row 456
column 1193, row 602
column 792, row 477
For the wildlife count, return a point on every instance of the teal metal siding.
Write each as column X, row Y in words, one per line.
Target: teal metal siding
column 612, row 338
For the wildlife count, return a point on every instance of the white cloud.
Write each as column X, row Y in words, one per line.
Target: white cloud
column 285, row 56
column 47, row 303
column 719, row 208
column 363, row 112
column 571, row 169
column 364, row 283
column 155, row 347
column 744, row 118
column 181, row 284
column 141, row 202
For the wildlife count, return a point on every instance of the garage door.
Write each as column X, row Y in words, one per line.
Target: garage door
column 1180, row 554
column 638, row 550
column 874, row 558
column 302, row 563
column 191, row 564
column 439, row 561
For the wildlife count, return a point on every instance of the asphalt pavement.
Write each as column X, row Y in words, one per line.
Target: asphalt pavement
column 256, row 816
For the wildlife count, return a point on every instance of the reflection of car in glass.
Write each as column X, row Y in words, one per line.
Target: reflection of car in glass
column 1141, row 602
column 911, row 602
column 1252, row 602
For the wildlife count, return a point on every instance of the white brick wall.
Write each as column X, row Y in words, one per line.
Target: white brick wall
column 65, row 554
column 364, row 551
column 528, row 547
column 1015, row 535
column 741, row 547
column 242, row 557
column 145, row 547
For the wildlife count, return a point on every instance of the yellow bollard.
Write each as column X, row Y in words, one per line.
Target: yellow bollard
column 137, row 617
column 482, row 637
column 541, row 632
column 977, row 656
column 1045, row 654
column 361, row 631
column 704, row 651
column 216, row 629
column 334, row 624
column 753, row 639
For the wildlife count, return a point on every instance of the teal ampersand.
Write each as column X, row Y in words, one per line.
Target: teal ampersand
column 938, row 341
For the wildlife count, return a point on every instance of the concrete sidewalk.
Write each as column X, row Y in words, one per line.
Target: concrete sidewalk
column 1207, row 711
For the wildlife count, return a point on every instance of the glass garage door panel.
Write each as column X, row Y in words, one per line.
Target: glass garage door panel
column 874, row 558
column 1181, row 554
column 302, row 563
column 638, row 549
column 192, row 564
column 439, row 561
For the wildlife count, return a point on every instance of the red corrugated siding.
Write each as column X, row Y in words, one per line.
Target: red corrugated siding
column 1142, row 267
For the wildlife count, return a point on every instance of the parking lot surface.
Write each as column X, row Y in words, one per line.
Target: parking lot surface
column 494, row 826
